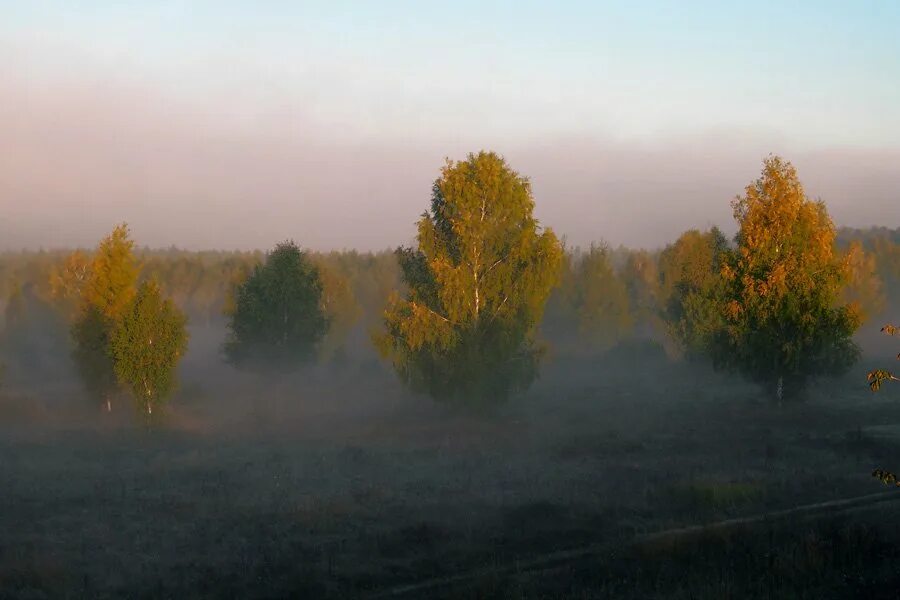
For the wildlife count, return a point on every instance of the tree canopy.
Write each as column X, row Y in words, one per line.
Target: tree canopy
column 783, row 319
column 691, row 289
column 146, row 344
column 106, row 289
column 278, row 320
column 477, row 284
column 595, row 296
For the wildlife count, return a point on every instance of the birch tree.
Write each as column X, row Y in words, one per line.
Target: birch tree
column 146, row 344
column 477, row 284
column 783, row 318
column 106, row 289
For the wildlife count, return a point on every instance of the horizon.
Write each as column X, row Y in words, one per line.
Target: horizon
column 224, row 127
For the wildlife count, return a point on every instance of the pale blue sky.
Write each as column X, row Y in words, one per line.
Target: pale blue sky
column 437, row 78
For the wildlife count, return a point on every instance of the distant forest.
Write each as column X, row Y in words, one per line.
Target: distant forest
column 631, row 283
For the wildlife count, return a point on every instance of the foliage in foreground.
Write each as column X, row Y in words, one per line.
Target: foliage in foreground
column 477, row 284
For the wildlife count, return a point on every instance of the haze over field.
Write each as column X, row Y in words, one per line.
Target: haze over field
column 221, row 126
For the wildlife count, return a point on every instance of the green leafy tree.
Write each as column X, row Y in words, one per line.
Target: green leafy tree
column 278, row 318
column 146, row 344
column 691, row 289
column 597, row 298
column 108, row 290
column 784, row 322
column 477, row 285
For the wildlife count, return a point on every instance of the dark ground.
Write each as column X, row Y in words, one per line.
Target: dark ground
column 336, row 483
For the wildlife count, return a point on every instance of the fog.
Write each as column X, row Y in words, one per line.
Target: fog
column 630, row 468
column 78, row 155
column 335, row 481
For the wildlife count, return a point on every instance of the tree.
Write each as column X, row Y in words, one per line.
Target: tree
column 69, row 280
column 339, row 305
column 108, row 291
column 146, row 344
column 113, row 274
column 864, row 286
column 640, row 273
column 477, row 285
column 691, row 288
column 598, row 297
column 784, row 322
column 278, row 318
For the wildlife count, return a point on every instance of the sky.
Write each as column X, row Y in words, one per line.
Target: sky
column 239, row 124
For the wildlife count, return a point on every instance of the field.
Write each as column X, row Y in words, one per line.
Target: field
column 338, row 483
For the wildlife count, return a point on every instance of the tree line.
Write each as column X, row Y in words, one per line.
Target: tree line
column 467, row 313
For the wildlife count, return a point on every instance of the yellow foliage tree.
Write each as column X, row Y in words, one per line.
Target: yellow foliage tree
column 784, row 321
column 477, row 285
column 105, row 295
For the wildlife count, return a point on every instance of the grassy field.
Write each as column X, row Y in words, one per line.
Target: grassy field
column 337, row 483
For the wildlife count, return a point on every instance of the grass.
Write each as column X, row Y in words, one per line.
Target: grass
column 338, row 489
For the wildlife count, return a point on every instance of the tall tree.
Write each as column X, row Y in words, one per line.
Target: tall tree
column 108, row 291
column 146, row 344
column 278, row 318
column 691, row 288
column 477, row 285
column 784, row 322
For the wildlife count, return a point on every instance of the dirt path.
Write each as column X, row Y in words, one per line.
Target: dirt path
column 670, row 536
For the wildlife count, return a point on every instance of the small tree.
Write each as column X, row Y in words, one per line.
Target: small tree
column 599, row 298
column 784, row 322
column 278, row 318
column 691, row 289
column 108, row 290
column 477, row 285
column 146, row 344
